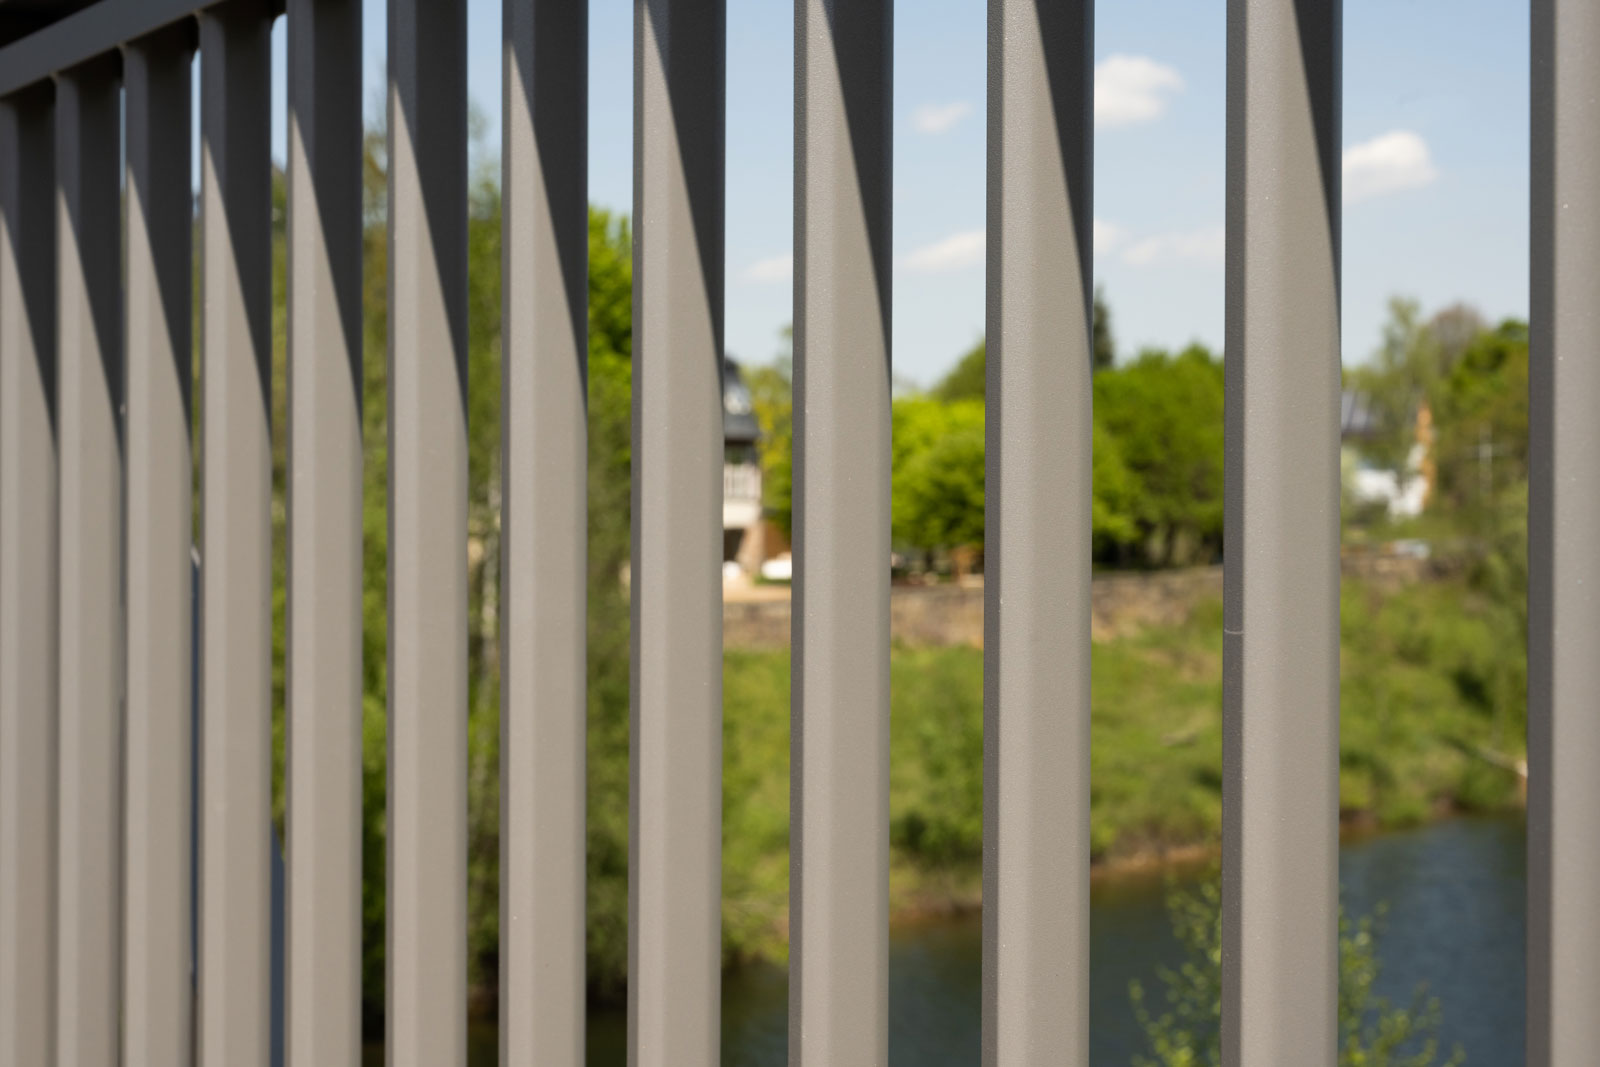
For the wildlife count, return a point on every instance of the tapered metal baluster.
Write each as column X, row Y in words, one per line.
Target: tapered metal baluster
column 89, row 406
column 675, row 869
column 325, row 533
column 427, row 829
column 1563, row 531
column 1038, row 537
column 28, row 578
column 543, row 547
column 158, row 976
column 839, row 789
column 1280, row 964
column 236, row 535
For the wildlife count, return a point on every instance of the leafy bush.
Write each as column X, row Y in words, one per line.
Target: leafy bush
column 1372, row 1031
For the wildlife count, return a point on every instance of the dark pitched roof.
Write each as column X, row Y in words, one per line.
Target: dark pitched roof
column 739, row 424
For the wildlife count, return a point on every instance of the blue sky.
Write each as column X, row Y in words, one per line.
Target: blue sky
column 1436, row 168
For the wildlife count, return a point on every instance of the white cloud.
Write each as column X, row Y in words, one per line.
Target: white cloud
column 1107, row 236
column 1131, row 89
column 958, row 251
column 968, row 248
column 1390, row 163
column 1194, row 246
column 776, row 269
column 940, row 118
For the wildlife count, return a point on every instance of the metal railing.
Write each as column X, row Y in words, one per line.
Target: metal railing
column 96, row 807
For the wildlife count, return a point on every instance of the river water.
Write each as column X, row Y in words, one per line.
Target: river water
column 1454, row 894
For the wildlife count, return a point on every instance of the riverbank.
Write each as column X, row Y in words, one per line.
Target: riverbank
column 1431, row 725
column 1432, row 722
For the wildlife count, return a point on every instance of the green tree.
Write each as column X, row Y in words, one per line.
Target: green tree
column 772, row 397
column 1481, row 414
column 1401, row 376
column 1372, row 1031
column 938, row 486
column 966, row 380
column 1104, row 343
column 1166, row 415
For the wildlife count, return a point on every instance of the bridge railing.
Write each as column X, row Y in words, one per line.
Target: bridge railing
column 96, row 516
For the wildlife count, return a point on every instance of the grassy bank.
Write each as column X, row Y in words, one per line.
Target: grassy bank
column 1428, row 702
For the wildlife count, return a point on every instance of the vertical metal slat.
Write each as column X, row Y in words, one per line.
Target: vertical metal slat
column 544, row 537
column 89, row 403
column 675, row 829
column 1038, row 541
column 236, row 535
column 1563, row 529
column 28, row 579
column 427, row 839
column 839, row 788
column 1281, row 595
column 325, row 533
column 157, row 947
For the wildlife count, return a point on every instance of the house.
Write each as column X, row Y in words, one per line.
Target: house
column 1403, row 492
column 743, row 540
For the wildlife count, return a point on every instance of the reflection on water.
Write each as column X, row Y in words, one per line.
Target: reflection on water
column 1455, row 900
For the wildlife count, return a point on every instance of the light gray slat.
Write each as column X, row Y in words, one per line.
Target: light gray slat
column 235, row 535
column 839, row 785
column 544, row 547
column 675, row 829
column 325, row 533
column 1281, row 598
column 1038, row 533
column 89, row 407
column 28, row 579
column 1563, row 531
column 427, row 834
column 158, row 904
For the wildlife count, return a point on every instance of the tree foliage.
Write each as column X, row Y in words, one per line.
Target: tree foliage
column 1165, row 414
column 1373, row 1032
column 1481, row 414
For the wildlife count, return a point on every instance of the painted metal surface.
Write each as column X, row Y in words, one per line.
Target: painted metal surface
column 158, row 977
column 1281, row 575
column 28, row 579
column 427, row 828
column 544, row 533
column 1038, row 541
column 96, row 30
column 839, row 703
column 89, row 424
column 1563, row 530
column 325, row 534
column 675, row 829
column 235, row 802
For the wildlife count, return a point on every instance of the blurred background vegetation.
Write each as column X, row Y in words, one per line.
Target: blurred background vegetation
column 1434, row 675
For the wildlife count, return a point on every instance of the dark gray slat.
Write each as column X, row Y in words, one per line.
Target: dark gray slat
column 1039, row 537
column 236, row 536
column 427, row 840
column 85, row 34
column 325, row 533
column 157, row 860
column 543, row 546
column 89, row 404
column 1563, row 529
column 1281, row 641
column 28, row 579
column 839, row 807
column 675, row 865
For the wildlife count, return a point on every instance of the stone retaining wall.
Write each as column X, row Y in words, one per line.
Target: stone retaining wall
column 953, row 615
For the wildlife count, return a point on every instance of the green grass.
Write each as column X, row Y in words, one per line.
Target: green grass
column 1431, row 676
